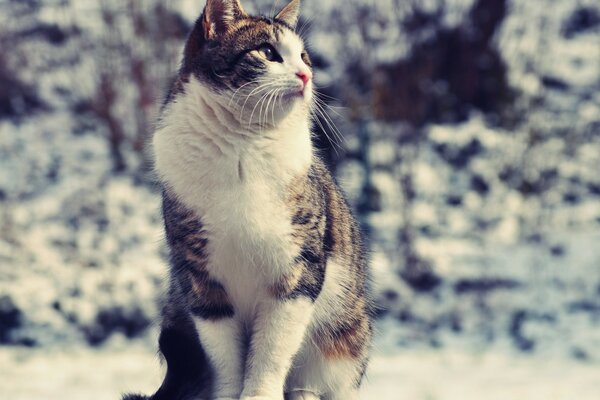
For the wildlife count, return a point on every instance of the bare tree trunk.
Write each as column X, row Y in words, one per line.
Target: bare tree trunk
column 416, row 271
column 103, row 107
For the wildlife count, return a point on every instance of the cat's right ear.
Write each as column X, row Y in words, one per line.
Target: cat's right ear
column 218, row 16
column 290, row 13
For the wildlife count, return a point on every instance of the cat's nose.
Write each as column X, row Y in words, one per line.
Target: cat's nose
column 305, row 76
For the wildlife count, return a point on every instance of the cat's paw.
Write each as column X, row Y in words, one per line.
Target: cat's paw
column 302, row 395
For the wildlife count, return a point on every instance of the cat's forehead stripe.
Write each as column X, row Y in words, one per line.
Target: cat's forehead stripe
column 251, row 29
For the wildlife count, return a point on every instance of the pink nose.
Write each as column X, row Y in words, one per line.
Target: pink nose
column 305, row 76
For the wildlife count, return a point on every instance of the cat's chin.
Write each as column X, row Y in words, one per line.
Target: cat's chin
column 302, row 95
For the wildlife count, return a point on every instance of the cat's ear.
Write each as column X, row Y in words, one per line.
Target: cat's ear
column 290, row 13
column 218, row 16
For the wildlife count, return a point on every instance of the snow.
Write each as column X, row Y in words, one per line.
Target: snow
column 447, row 374
column 452, row 375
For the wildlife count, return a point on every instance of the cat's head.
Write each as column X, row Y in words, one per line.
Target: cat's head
column 255, row 61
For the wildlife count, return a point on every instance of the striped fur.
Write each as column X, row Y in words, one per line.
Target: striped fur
column 269, row 278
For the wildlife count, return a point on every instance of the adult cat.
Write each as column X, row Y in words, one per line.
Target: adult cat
column 268, row 270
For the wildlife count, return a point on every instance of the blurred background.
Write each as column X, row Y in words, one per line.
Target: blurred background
column 466, row 134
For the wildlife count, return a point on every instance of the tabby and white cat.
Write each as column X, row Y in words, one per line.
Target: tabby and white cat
column 268, row 269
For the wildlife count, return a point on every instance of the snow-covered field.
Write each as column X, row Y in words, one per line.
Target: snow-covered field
column 447, row 374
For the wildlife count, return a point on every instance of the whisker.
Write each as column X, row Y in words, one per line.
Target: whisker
column 322, row 86
column 267, row 103
column 262, row 122
column 334, row 144
column 259, row 90
column 330, row 107
column 277, row 91
column 333, row 127
column 216, row 74
column 254, row 109
column 265, row 107
column 271, row 102
column 320, row 94
column 329, row 122
column 241, row 87
column 304, row 27
column 256, row 91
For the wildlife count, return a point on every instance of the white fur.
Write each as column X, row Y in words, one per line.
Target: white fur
column 278, row 332
column 200, row 156
column 225, row 356
column 303, row 395
column 312, row 372
column 234, row 170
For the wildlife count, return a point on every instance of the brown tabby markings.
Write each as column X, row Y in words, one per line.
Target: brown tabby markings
column 347, row 340
column 176, row 89
column 224, row 65
column 209, row 295
column 188, row 241
column 323, row 227
column 348, row 334
column 309, row 226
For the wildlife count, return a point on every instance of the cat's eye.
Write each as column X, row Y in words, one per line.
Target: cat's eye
column 306, row 58
column 269, row 52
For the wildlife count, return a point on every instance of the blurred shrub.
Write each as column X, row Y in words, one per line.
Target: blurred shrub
column 449, row 73
column 10, row 319
column 17, row 99
column 582, row 20
column 129, row 322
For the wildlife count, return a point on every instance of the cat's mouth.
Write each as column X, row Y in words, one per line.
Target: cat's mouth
column 298, row 93
column 290, row 98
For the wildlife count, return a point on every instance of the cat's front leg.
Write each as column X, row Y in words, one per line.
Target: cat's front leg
column 279, row 330
column 223, row 343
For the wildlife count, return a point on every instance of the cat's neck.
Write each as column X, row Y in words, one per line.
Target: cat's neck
column 231, row 124
column 201, row 134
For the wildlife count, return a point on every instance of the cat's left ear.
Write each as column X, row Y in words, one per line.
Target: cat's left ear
column 218, row 16
column 290, row 13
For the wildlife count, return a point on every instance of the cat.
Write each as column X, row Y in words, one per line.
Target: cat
column 269, row 282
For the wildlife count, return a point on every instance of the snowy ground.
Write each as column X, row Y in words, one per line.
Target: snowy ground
column 446, row 374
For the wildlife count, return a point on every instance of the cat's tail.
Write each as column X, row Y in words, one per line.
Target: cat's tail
column 188, row 374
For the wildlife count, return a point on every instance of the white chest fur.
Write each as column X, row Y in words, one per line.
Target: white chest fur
column 236, row 180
